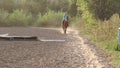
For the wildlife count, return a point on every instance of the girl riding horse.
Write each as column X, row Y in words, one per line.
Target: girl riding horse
column 65, row 22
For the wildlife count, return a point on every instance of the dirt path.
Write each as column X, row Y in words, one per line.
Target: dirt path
column 72, row 53
column 92, row 54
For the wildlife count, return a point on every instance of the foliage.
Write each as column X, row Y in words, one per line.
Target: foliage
column 102, row 9
column 7, row 5
column 73, row 8
column 59, row 5
column 22, row 18
column 105, row 35
column 99, row 9
column 117, row 47
column 3, row 17
column 25, row 12
column 34, row 6
column 51, row 18
column 87, row 15
column 75, row 21
column 19, row 18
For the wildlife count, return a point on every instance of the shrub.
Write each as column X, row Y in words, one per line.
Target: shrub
column 105, row 32
column 51, row 18
column 19, row 18
column 3, row 18
column 87, row 14
column 117, row 47
column 75, row 21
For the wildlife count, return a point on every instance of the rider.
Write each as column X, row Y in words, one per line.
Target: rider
column 64, row 17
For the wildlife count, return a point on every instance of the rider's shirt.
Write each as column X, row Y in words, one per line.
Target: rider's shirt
column 65, row 16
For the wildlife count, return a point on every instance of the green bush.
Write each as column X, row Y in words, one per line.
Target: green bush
column 19, row 18
column 3, row 18
column 98, row 9
column 105, row 32
column 105, row 35
column 87, row 14
column 75, row 21
column 117, row 47
column 51, row 18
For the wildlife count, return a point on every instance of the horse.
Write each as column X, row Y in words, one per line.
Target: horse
column 65, row 25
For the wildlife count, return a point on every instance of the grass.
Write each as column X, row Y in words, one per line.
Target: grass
column 104, row 34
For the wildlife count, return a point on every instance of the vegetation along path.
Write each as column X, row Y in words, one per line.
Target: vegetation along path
column 56, row 50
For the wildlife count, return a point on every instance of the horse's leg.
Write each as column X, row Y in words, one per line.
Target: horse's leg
column 62, row 25
column 66, row 28
column 65, row 31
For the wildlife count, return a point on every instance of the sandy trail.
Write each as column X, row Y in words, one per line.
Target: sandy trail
column 90, row 58
column 71, row 53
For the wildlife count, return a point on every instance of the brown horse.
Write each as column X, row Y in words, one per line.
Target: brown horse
column 65, row 25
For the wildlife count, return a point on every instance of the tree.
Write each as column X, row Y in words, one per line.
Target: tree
column 102, row 9
column 73, row 8
column 8, row 5
column 35, row 6
column 99, row 9
column 59, row 5
column 87, row 15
